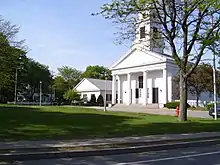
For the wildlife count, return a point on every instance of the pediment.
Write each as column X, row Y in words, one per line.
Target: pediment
column 86, row 85
column 137, row 57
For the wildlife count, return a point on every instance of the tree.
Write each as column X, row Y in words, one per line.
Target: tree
column 29, row 79
column 184, row 25
column 72, row 95
column 71, row 75
column 60, row 86
column 199, row 81
column 100, row 100
column 97, row 72
column 13, row 52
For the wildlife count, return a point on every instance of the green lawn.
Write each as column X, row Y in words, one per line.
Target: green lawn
column 32, row 123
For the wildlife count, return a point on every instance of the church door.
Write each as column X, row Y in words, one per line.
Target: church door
column 155, row 96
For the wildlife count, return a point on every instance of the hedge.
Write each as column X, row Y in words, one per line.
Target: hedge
column 173, row 105
column 93, row 100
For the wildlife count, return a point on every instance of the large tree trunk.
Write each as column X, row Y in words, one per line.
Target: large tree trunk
column 183, row 98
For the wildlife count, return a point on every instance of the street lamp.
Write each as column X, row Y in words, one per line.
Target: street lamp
column 214, row 74
column 214, row 86
column 40, row 91
column 16, row 81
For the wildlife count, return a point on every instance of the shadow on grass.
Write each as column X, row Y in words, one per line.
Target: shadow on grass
column 26, row 123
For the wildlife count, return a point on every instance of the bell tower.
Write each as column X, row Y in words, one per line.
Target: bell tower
column 148, row 36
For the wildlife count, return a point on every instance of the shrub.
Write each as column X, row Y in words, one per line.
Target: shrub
column 93, row 100
column 100, row 101
column 211, row 105
column 173, row 105
column 71, row 95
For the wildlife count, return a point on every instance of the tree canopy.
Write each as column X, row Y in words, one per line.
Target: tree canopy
column 13, row 54
column 71, row 75
column 67, row 78
column 201, row 80
column 97, row 72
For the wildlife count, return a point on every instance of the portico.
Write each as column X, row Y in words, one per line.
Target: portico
column 151, row 85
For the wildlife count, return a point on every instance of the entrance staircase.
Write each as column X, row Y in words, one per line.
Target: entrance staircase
column 134, row 107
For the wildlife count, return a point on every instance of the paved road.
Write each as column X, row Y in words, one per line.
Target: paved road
column 191, row 156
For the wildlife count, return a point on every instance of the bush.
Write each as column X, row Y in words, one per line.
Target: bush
column 100, row 101
column 93, row 100
column 173, row 105
column 211, row 105
column 71, row 95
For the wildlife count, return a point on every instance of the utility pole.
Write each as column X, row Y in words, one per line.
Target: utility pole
column 214, row 83
column 16, row 82
column 214, row 76
column 40, row 92
column 105, row 92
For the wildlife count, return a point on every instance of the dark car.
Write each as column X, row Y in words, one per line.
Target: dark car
column 212, row 111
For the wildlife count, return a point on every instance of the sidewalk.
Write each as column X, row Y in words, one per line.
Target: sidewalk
column 93, row 142
column 158, row 111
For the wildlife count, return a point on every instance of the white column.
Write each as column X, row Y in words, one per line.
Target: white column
column 145, row 88
column 165, row 91
column 119, row 89
column 129, row 88
column 113, row 89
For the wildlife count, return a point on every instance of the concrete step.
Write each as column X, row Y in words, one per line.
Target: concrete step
column 136, row 106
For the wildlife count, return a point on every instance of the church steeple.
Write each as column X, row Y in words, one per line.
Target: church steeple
column 148, row 36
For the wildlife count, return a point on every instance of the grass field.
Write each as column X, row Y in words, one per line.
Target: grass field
column 38, row 123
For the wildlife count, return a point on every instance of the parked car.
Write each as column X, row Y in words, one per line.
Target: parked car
column 212, row 111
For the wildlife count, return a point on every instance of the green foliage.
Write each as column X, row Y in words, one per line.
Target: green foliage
column 72, row 76
column 211, row 105
column 100, row 100
column 67, row 79
column 71, row 95
column 30, row 76
column 200, row 80
column 93, row 100
column 12, row 54
column 97, row 72
column 173, row 105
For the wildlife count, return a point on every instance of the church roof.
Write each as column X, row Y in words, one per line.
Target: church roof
column 101, row 83
column 146, row 56
column 98, row 83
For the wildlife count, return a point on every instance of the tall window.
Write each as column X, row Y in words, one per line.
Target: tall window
column 140, row 81
column 142, row 32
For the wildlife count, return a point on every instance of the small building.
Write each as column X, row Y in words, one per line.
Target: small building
column 88, row 87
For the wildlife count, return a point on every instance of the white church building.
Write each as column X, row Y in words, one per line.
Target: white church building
column 143, row 75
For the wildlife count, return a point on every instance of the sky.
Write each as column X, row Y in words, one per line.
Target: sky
column 63, row 32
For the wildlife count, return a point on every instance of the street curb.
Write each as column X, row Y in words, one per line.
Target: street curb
column 101, row 152
column 134, row 143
